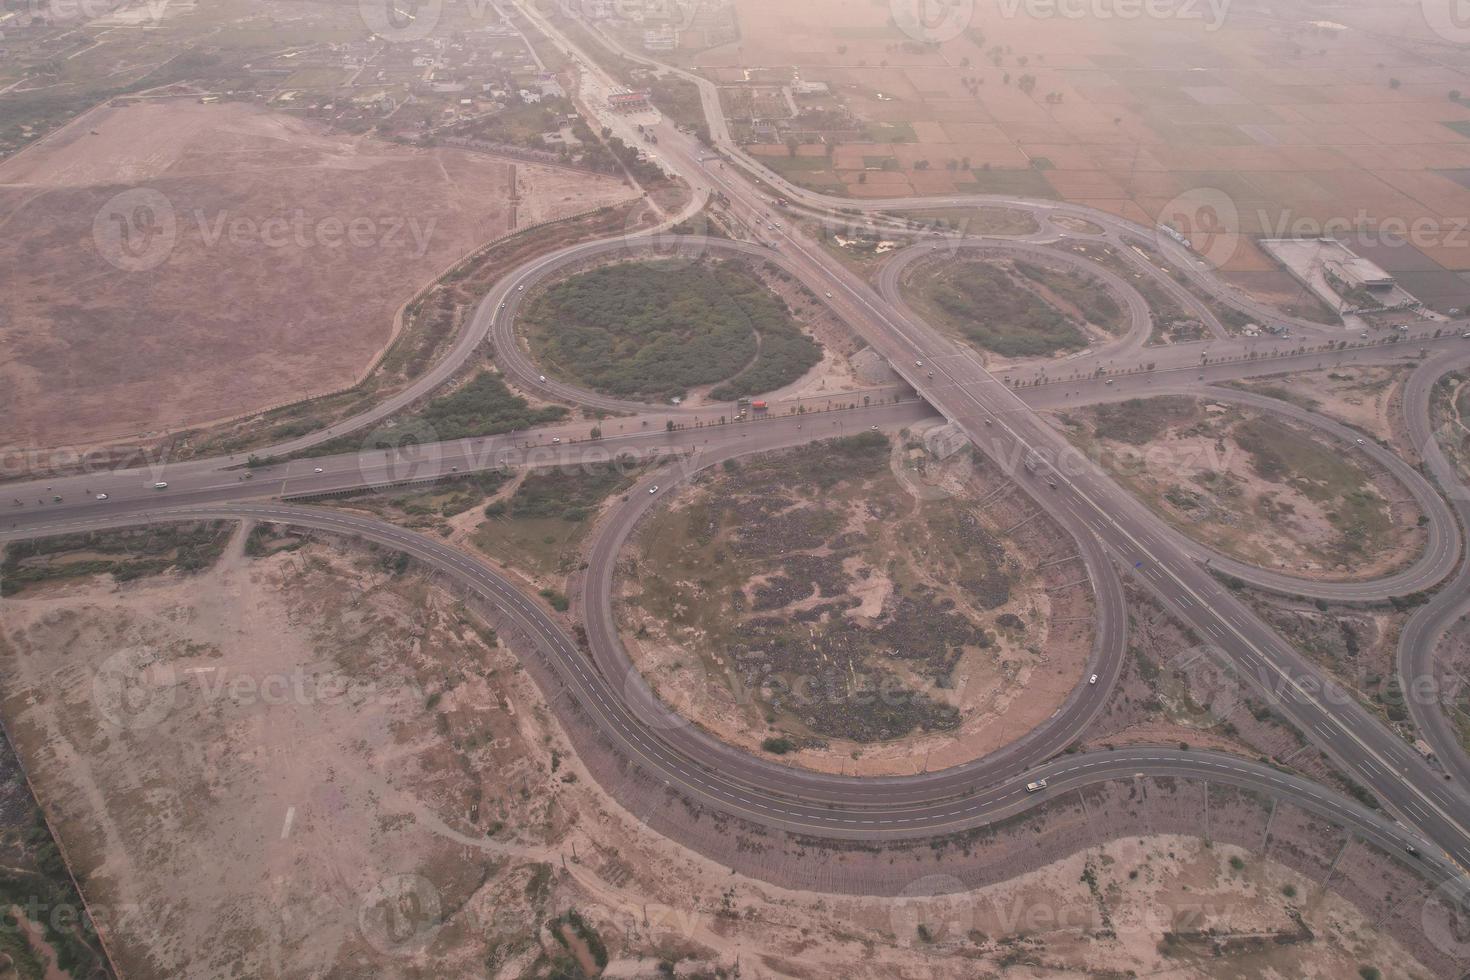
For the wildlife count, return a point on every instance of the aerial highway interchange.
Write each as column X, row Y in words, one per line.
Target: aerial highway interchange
column 1425, row 812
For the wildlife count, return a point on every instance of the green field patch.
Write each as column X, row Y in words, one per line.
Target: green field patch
column 125, row 555
column 539, row 527
column 985, row 303
column 653, row 330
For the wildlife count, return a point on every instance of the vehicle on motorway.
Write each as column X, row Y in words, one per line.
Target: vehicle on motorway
column 541, row 378
column 918, row 364
column 873, row 427
column 1036, row 787
column 317, row 470
column 160, row 485
column 829, row 295
column 1411, row 849
column 1092, row 679
column 1108, row 382
column 556, row 440
column 102, row 496
column 653, row 489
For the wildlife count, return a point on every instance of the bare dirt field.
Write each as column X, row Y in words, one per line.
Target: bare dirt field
column 1367, row 398
column 1254, row 485
column 440, row 824
column 257, row 259
column 1296, row 124
column 861, row 605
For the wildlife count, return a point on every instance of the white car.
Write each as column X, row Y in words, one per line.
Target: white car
column 317, row 470
column 541, row 378
column 653, row 489
column 1362, row 442
column 519, row 288
column 102, row 496
column 918, row 364
column 1092, row 679
column 829, row 295
column 556, row 440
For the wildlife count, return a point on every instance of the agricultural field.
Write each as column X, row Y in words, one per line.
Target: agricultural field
column 1253, row 485
column 848, row 599
column 1012, row 308
column 658, row 330
column 1297, row 121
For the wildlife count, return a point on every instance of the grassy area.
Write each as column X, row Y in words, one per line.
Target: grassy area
column 540, row 526
column 124, row 555
column 984, row 303
column 1096, row 305
column 654, row 330
column 1322, row 473
column 976, row 221
column 485, row 406
column 1139, row 421
column 759, row 573
column 1249, row 484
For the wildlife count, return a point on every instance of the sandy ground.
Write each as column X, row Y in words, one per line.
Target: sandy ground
column 431, row 838
column 1001, row 692
column 252, row 259
column 1367, row 398
column 1198, row 456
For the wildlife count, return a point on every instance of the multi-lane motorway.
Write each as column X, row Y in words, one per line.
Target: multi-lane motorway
column 1112, row 530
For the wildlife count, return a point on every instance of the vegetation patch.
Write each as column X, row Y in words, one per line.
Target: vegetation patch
column 539, row 526
column 992, row 306
column 834, row 600
column 653, row 330
column 1253, row 485
column 125, row 555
